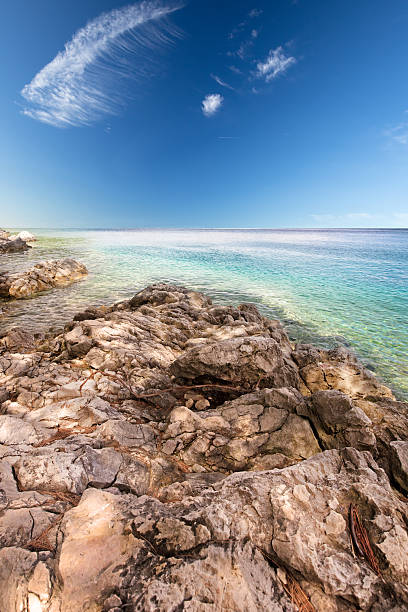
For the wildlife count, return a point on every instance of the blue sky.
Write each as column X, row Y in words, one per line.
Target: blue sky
column 212, row 114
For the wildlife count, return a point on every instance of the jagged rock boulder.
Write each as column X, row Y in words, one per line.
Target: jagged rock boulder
column 338, row 422
column 337, row 369
column 18, row 340
column 258, row 431
column 13, row 246
column 249, row 361
column 399, row 463
column 42, row 277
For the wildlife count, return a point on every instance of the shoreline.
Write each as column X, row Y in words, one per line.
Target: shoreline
column 165, row 434
column 299, row 321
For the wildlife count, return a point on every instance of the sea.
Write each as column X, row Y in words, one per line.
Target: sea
column 328, row 287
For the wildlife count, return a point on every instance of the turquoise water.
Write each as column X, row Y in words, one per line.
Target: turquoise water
column 327, row 286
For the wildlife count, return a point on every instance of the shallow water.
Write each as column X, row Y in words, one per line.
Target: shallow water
column 327, row 286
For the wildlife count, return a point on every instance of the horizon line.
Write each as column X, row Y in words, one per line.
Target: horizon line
column 199, row 228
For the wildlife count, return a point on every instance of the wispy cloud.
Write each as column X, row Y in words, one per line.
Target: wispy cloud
column 237, row 30
column 81, row 83
column 255, row 13
column 398, row 133
column 221, row 82
column 275, row 64
column 211, row 104
column 243, row 49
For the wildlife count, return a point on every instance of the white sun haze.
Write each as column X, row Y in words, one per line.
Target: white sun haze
column 82, row 83
column 275, row 64
column 211, row 104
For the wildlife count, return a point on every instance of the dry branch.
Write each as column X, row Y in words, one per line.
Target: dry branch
column 297, row 595
column 360, row 540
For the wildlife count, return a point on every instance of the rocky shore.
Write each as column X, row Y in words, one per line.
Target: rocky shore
column 168, row 454
column 16, row 243
column 42, row 277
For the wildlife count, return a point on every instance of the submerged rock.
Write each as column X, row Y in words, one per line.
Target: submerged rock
column 168, row 454
column 43, row 276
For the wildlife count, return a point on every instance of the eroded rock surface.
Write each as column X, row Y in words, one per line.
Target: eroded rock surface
column 43, row 276
column 168, row 454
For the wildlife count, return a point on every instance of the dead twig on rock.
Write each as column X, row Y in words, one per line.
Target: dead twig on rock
column 360, row 540
column 297, row 595
column 63, row 433
column 173, row 389
column 42, row 542
column 70, row 498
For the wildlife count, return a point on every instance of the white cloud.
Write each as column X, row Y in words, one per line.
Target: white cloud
column 255, row 13
column 211, row 104
column 82, row 83
column 221, row 82
column 244, row 47
column 275, row 64
column 254, row 33
column 398, row 133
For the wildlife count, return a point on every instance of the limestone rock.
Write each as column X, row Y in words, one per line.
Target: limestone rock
column 42, row 277
column 12, row 246
column 57, row 472
column 95, row 548
column 145, row 551
column 256, row 431
column 167, row 453
column 16, row 565
column 18, row 339
column 24, row 235
column 337, row 369
column 14, row 431
column 399, row 462
column 339, row 422
column 242, row 361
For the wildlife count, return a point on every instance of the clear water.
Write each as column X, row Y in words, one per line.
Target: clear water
column 327, row 286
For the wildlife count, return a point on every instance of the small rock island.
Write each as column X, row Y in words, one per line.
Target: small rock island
column 42, row 277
